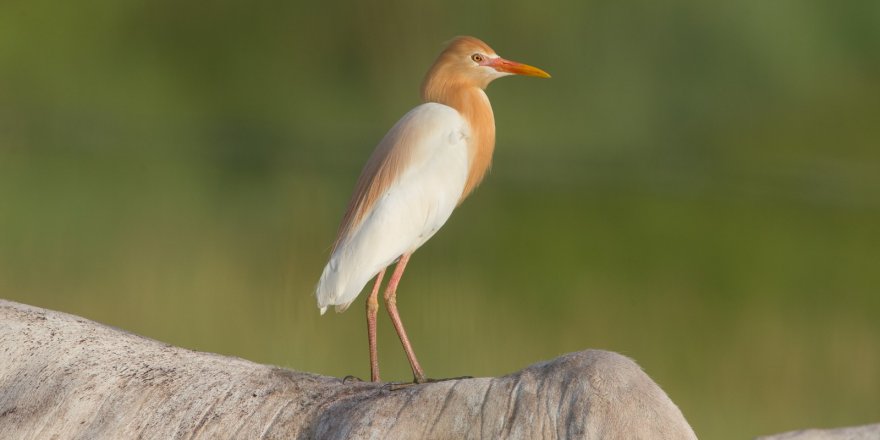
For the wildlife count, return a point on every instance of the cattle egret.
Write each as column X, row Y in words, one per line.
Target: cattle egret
column 422, row 169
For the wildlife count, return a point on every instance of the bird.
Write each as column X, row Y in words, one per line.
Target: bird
column 425, row 166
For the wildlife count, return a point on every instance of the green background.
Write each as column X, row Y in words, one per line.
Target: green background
column 697, row 187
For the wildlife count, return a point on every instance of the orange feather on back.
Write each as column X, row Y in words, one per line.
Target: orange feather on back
column 384, row 165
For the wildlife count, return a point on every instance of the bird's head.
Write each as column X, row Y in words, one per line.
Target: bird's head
column 467, row 61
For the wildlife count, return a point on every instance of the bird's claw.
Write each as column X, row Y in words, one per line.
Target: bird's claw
column 394, row 386
column 451, row 378
column 350, row 378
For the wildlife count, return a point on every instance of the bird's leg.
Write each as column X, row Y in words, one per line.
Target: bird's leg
column 391, row 305
column 372, row 308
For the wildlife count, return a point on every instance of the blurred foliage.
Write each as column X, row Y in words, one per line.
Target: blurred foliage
column 697, row 187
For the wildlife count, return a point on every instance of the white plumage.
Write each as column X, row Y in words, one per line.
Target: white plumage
column 416, row 203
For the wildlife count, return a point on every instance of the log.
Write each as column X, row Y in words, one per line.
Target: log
column 63, row 376
column 865, row 432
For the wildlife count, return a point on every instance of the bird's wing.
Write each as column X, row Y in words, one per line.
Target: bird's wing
column 407, row 146
column 407, row 190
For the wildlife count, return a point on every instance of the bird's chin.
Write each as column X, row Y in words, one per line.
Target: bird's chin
column 491, row 75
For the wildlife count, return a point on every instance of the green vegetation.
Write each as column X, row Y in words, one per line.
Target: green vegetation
column 698, row 187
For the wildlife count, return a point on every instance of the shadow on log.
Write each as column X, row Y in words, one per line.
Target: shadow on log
column 62, row 376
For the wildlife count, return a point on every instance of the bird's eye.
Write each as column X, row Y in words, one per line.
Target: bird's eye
column 477, row 58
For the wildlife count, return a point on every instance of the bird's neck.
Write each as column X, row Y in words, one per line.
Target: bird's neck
column 473, row 104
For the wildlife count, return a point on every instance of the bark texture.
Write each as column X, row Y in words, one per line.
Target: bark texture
column 62, row 376
column 866, row 432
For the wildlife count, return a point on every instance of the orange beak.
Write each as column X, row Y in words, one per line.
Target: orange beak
column 502, row 65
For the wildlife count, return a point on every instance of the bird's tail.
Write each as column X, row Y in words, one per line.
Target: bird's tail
column 328, row 286
column 335, row 288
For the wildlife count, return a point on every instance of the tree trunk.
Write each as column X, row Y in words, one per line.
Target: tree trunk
column 62, row 376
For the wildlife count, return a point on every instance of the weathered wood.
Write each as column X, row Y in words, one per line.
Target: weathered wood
column 62, row 376
column 866, row 432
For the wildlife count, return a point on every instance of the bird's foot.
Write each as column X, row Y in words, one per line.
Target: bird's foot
column 394, row 386
column 350, row 379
